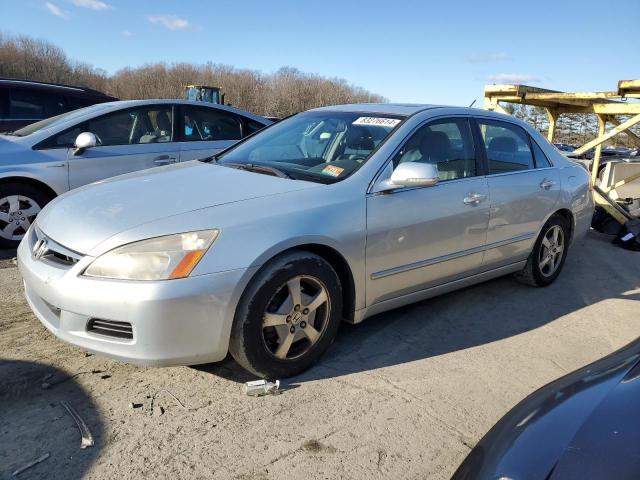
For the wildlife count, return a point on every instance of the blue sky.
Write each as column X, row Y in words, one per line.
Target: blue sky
column 406, row 50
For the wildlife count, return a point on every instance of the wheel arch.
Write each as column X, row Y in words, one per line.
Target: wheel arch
column 50, row 192
column 564, row 212
column 569, row 217
column 334, row 258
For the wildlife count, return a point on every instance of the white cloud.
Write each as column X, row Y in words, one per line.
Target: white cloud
column 53, row 10
column 171, row 22
column 513, row 78
column 487, row 57
column 91, row 4
column 126, row 33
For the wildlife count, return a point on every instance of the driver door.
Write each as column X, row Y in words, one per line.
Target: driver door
column 422, row 237
column 127, row 141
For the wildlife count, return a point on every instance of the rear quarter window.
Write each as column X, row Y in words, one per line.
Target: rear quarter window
column 538, row 155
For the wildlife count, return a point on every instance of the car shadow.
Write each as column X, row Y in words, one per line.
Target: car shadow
column 595, row 271
column 34, row 423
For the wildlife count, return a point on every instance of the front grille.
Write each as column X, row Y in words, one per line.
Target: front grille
column 59, row 257
column 47, row 250
column 110, row 328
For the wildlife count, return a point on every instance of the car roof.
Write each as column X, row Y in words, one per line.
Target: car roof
column 10, row 82
column 134, row 103
column 405, row 109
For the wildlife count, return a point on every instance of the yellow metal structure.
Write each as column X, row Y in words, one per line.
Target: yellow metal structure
column 605, row 105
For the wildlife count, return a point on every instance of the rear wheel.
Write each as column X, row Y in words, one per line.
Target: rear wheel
column 548, row 255
column 288, row 316
column 19, row 205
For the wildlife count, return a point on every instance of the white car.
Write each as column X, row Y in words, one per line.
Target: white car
column 47, row 158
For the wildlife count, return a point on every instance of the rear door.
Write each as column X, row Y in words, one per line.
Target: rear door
column 204, row 131
column 523, row 186
column 127, row 140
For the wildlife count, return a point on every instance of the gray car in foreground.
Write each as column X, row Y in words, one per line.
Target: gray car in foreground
column 45, row 159
column 334, row 214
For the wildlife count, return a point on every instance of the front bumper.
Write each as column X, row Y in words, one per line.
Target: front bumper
column 175, row 322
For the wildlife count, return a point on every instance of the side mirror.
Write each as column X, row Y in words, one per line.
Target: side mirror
column 412, row 174
column 83, row 141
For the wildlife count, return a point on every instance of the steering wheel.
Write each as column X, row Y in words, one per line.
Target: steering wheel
column 358, row 158
column 98, row 139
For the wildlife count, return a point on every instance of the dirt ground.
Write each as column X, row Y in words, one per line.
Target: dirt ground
column 404, row 395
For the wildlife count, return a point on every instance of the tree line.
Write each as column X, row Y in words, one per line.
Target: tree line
column 279, row 94
column 282, row 93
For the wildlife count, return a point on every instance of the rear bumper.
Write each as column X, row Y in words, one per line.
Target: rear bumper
column 177, row 322
column 583, row 218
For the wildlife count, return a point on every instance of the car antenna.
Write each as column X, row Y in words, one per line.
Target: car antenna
column 472, row 103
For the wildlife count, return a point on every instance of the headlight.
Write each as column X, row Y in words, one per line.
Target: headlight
column 161, row 258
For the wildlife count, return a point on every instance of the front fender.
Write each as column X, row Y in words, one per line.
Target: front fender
column 54, row 175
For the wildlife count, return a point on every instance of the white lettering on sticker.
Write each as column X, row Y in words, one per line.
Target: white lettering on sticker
column 377, row 121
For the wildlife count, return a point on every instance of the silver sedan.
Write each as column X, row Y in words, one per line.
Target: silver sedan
column 335, row 214
column 57, row 154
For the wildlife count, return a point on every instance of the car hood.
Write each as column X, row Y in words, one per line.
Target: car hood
column 606, row 445
column 583, row 425
column 86, row 217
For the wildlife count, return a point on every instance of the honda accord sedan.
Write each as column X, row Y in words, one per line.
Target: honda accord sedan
column 331, row 215
column 60, row 153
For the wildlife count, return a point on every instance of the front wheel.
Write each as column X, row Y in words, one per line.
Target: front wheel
column 548, row 255
column 288, row 316
column 19, row 205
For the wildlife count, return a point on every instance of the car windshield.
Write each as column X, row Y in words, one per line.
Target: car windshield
column 60, row 119
column 319, row 146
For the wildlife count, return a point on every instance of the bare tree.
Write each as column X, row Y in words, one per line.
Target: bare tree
column 282, row 93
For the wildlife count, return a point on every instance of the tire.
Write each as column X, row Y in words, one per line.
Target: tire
column 267, row 323
column 19, row 205
column 537, row 273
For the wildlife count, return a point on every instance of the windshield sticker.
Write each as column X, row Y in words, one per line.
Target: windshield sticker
column 332, row 170
column 377, row 121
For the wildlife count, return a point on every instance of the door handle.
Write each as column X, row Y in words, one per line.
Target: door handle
column 164, row 160
column 546, row 184
column 474, row 199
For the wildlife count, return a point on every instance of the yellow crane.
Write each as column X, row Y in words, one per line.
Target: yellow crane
column 614, row 182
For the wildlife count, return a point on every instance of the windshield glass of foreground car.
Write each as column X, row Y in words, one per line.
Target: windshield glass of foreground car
column 318, row 146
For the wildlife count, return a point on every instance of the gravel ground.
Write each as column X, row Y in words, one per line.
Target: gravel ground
column 404, row 395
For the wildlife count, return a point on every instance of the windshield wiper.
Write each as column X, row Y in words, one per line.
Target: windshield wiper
column 252, row 167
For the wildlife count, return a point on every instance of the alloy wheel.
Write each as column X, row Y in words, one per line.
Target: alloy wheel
column 17, row 212
column 551, row 251
column 296, row 317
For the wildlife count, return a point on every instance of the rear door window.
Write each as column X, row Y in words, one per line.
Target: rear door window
column 506, row 145
column 252, row 127
column 34, row 104
column 209, row 124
